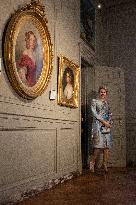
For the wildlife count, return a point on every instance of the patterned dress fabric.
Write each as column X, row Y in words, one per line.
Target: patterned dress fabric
column 101, row 135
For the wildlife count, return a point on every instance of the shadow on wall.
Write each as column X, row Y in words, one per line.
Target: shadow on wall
column 131, row 164
column 91, row 95
column 86, row 128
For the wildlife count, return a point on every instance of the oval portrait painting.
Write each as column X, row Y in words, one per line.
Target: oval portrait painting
column 28, row 51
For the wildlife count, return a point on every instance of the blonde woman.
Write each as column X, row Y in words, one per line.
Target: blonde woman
column 27, row 63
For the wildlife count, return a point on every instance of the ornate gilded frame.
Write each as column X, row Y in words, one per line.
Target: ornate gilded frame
column 31, row 15
column 68, row 68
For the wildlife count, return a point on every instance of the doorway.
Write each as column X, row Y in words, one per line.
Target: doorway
column 87, row 87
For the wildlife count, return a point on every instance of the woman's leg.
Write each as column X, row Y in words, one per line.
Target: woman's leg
column 93, row 160
column 105, row 158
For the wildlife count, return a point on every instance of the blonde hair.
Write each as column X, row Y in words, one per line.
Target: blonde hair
column 103, row 87
column 27, row 37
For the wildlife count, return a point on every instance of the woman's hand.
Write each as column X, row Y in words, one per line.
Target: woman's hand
column 106, row 124
column 22, row 74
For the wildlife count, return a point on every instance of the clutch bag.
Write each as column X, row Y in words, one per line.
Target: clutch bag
column 105, row 130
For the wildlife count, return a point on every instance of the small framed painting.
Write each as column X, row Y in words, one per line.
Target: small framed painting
column 68, row 83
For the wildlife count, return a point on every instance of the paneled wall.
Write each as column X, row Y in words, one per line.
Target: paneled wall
column 40, row 140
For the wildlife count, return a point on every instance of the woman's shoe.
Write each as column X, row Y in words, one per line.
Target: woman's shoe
column 92, row 166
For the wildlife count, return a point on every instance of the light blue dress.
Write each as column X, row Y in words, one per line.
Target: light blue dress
column 100, row 135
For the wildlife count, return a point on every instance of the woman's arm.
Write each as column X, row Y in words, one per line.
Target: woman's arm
column 22, row 74
column 98, row 116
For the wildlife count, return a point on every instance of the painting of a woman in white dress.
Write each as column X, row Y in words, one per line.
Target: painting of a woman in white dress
column 68, row 83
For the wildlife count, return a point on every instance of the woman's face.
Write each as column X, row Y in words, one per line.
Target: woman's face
column 102, row 94
column 68, row 78
column 31, row 42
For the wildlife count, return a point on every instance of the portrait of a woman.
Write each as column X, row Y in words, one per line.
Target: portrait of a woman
column 26, row 65
column 68, row 83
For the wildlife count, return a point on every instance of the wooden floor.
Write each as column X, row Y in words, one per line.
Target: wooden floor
column 118, row 187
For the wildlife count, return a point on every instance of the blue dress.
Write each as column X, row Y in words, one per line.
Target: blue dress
column 100, row 135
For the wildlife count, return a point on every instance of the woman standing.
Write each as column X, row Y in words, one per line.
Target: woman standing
column 101, row 132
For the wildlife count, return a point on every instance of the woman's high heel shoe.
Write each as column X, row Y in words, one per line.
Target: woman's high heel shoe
column 92, row 166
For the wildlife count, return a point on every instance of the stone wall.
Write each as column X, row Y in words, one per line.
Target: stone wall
column 40, row 140
column 115, row 47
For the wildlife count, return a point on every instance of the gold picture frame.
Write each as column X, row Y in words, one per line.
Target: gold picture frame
column 28, row 50
column 68, row 83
